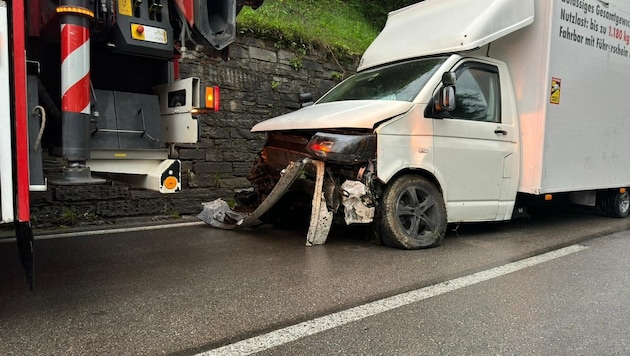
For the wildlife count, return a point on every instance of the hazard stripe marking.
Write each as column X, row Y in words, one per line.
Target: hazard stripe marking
column 77, row 97
column 75, row 69
column 73, row 36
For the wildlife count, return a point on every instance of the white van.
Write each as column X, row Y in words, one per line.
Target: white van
column 462, row 108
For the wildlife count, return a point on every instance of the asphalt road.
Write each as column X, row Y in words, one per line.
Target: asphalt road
column 575, row 304
column 192, row 289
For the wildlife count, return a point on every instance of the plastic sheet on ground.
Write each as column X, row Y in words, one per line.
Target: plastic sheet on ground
column 218, row 214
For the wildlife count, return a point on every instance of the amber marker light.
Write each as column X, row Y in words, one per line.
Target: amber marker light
column 212, row 98
column 323, row 146
column 548, row 197
column 65, row 9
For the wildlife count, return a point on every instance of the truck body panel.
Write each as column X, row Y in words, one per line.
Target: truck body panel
column 437, row 27
column 570, row 95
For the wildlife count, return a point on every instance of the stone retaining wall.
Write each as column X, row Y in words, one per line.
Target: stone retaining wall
column 259, row 81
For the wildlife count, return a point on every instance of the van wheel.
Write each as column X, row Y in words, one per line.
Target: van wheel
column 615, row 204
column 413, row 214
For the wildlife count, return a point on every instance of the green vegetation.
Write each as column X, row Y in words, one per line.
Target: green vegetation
column 345, row 28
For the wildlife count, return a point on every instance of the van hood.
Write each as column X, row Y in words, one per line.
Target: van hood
column 445, row 26
column 361, row 114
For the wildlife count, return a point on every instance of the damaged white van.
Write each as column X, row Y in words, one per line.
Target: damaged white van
column 459, row 109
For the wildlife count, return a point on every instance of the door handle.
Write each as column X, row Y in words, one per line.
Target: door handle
column 500, row 131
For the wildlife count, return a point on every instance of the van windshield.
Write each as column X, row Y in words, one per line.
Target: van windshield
column 400, row 81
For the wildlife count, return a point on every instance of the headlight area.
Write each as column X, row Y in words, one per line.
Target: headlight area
column 342, row 148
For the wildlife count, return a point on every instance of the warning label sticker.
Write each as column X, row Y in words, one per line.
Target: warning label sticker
column 124, row 7
column 556, row 86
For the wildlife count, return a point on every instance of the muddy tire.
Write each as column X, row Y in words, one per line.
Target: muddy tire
column 615, row 204
column 413, row 214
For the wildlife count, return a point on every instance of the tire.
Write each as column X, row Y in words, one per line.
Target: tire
column 616, row 204
column 413, row 214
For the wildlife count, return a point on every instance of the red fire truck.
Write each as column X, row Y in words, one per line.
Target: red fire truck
column 96, row 83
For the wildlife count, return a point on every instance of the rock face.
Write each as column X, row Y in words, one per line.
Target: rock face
column 259, row 81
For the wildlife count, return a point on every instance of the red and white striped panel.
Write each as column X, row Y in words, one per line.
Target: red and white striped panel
column 75, row 69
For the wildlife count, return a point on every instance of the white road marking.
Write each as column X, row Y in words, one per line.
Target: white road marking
column 311, row 327
column 109, row 231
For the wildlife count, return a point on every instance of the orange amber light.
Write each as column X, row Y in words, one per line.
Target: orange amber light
column 212, row 98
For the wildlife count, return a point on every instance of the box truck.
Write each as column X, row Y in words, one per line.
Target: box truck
column 463, row 111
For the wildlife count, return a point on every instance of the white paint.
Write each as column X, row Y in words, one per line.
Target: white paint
column 311, row 327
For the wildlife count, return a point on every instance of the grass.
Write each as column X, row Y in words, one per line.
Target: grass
column 334, row 25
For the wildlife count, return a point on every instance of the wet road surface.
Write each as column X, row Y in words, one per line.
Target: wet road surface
column 191, row 289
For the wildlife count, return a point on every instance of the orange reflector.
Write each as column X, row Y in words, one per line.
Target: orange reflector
column 622, row 190
column 548, row 197
column 170, row 182
column 212, row 98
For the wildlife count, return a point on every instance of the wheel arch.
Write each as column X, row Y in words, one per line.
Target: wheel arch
column 420, row 172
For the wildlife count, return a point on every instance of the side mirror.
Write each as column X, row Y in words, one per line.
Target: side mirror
column 446, row 99
column 448, row 79
column 305, row 99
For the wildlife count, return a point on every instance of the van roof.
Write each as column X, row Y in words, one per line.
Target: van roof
column 444, row 26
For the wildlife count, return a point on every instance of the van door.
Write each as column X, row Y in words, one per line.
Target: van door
column 473, row 146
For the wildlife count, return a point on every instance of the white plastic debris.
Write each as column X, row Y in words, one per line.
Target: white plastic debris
column 218, row 214
column 355, row 210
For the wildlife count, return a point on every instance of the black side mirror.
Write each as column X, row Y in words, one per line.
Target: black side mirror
column 305, row 99
column 446, row 97
column 448, row 79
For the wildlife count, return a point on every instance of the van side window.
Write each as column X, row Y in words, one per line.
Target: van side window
column 477, row 93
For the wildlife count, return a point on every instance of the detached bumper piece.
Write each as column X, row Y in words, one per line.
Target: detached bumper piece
column 219, row 215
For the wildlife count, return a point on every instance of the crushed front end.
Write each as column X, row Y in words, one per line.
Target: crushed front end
column 336, row 180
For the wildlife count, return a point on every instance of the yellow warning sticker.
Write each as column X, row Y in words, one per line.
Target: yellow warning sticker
column 556, row 86
column 124, row 7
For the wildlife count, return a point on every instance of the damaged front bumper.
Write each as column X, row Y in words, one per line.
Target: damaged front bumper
column 353, row 196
